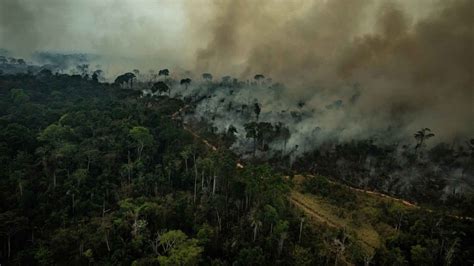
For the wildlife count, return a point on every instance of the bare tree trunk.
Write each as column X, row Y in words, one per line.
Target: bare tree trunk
column 301, row 229
column 9, row 245
column 54, row 179
column 281, row 242
column 169, row 176
column 399, row 222
column 219, row 220
column 129, row 169
column 367, row 260
column 255, row 229
column 214, row 184
column 254, row 146
column 20, row 186
column 106, row 236
column 202, row 179
column 195, row 177
column 73, row 204
column 246, row 200
column 140, row 149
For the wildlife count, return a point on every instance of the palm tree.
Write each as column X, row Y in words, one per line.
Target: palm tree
column 185, row 154
column 421, row 136
column 255, row 223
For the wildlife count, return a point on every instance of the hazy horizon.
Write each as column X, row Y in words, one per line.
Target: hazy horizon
column 411, row 60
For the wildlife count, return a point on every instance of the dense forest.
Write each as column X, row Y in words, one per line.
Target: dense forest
column 238, row 132
column 102, row 173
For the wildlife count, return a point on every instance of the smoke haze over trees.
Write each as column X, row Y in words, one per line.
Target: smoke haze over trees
column 410, row 61
column 236, row 132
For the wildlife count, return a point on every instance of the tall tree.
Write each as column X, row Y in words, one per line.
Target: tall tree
column 178, row 249
column 421, row 136
column 142, row 138
column 185, row 82
column 126, row 78
column 10, row 224
column 161, row 87
column 257, row 110
column 251, row 130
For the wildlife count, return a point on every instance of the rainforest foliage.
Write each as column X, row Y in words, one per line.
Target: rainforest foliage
column 93, row 173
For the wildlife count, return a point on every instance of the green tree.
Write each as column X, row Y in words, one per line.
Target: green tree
column 134, row 210
column 142, row 138
column 19, row 96
column 178, row 249
column 395, row 257
column 420, row 255
column 10, row 225
column 44, row 256
column 56, row 151
column 302, row 256
column 160, row 87
column 250, row 256
column 281, row 230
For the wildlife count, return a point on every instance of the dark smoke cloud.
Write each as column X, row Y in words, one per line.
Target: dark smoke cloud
column 409, row 62
column 413, row 70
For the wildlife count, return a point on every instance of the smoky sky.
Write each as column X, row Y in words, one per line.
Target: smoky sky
column 411, row 62
column 137, row 33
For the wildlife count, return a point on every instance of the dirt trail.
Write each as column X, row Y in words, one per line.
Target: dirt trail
column 297, row 199
column 311, row 211
column 174, row 117
column 370, row 192
column 301, row 205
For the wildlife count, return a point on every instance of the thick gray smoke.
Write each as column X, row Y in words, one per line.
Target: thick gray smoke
column 381, row 66
column 413, row 69
column 125, row 34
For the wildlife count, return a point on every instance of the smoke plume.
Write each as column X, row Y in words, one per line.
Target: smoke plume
column 412, row 68
column 397, row 64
